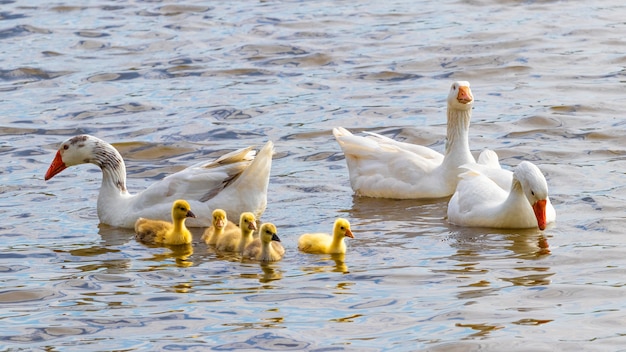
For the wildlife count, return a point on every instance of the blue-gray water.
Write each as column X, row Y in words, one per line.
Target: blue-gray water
column 171, row 83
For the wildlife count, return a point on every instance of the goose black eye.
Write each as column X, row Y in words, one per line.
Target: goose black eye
column 66, row 147
column 532, row 192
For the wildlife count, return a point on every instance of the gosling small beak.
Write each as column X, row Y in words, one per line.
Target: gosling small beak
column 220, row 223
column 252, row 225
column 190, row 214
column 275, row 238
column 56, row 166
column 349, row 233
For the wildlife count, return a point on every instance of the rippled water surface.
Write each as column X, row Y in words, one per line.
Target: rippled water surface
column 172, row 83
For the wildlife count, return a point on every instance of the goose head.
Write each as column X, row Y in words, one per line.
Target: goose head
column 535, row 189
column 460, row 96
column 181, row 210
column 219, row 218
column 268, row 233
column 342, row 228
column 84, row 149
column 247, row 221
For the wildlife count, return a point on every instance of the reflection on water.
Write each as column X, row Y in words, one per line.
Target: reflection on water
column 180, row 254
column 327, row 263
column 171, row 84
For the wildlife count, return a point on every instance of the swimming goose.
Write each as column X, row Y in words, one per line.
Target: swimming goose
column 237, row 182
column 170, row 233
column 325, row 243
column 480, row 202
column 219, row 225
column 237, row 240
column 267, row 247
column 382, row 167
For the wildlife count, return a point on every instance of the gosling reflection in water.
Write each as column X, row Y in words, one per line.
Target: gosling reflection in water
column 180, row 253
column 271, row 272
column 329, row 263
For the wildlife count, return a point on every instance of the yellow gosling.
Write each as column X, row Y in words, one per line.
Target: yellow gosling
column 267, row 247
column 158, row 231
column 220, row 224
column 236, row 241
column 325, row 243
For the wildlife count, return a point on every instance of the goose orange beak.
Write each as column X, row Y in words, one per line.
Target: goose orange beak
column 465, row 95
column 349, row 233
column 540, row 213
column 56, row 166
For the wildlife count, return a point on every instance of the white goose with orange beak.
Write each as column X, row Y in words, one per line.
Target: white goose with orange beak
column 384, row 168
column 236, row 182
column 480, row 202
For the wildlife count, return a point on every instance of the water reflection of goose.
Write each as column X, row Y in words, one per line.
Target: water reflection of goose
column 478, row 243
column 180, row 253
column 338, row 264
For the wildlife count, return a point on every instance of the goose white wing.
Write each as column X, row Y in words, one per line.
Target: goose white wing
column 488, row 164
column 199, row 182
column 475, row 200
column 416, row 149
column 380, row 167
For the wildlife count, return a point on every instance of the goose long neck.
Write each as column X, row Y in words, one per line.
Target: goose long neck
column 458, row 130
column 112, row 165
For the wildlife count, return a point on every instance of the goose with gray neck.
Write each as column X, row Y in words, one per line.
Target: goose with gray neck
column 236, row 182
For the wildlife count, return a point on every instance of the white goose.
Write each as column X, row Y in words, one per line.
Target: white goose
column 381, row 167
column 479, row 201
column 235, row 182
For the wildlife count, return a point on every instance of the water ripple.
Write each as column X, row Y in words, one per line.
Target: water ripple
column 30, row 73
column 277, row 297
column 24, row 296
column 267, row 341
column 22, row 30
